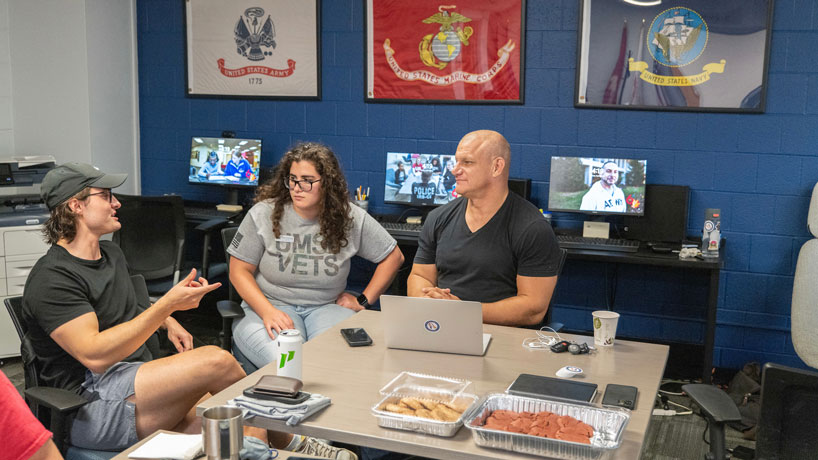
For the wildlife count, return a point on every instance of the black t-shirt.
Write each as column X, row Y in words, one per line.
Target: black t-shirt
column 423, row 193
column 62, row 287
column 483, row 266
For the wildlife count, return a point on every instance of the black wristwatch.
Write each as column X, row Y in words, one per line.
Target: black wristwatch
column 363, row 301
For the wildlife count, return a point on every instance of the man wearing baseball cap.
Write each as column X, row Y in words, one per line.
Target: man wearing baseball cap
column 89, row 332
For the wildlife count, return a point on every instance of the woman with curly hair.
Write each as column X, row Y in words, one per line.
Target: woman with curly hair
column 291, row 254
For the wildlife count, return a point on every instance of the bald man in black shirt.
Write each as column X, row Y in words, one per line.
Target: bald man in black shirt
column 489, row 245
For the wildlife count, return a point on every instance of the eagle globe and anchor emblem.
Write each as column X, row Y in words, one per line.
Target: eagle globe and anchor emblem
column 676, row 38
column 440, row 48
column 445, row 44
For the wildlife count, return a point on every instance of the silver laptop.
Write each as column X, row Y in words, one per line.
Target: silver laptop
column 446, row 326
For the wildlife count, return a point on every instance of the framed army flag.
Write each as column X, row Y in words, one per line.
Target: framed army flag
column 700, row 55
column 464, row 52
column 255, row 48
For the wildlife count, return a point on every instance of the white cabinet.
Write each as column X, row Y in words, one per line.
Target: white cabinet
column 20, row 247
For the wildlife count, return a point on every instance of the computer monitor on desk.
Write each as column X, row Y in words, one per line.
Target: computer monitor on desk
column 598, row 186
column 227, row 162
column 427, row 180
column 419, row 179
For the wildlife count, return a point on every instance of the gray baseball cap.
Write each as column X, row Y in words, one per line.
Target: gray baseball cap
column 65, row 181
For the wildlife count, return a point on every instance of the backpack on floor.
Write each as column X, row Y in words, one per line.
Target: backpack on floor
column 745, row 390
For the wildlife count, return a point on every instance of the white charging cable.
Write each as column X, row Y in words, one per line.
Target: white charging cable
column 657, row 411
column 543, row 340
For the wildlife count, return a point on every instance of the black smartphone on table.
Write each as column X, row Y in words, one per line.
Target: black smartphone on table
column 620, row 395
column 356, row 336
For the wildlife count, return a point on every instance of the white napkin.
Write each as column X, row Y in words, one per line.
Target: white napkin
column 173, row 446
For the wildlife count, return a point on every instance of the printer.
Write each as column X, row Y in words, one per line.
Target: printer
column 22, row 214
column 20, row 180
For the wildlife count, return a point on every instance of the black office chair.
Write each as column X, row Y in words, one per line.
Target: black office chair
column 789, row 402
column 152, row 238
column 789, row 397
column 207, row 229
column 230, row 310
column 52, row 406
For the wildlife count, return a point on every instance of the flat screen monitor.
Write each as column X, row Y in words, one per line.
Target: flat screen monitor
column 419, row 179
column 613, row 186
column 225, row 161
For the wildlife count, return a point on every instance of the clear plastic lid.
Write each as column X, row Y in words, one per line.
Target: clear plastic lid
column 411, row 384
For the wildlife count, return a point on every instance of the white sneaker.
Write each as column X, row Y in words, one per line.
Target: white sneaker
column 314, row 446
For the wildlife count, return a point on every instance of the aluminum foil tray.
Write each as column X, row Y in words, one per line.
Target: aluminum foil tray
column 609, row 427
column 419, row 424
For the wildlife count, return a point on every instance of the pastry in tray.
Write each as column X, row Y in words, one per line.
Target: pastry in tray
column 425, row 408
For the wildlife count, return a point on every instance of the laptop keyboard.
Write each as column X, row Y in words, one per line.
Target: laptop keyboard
column 202, row 211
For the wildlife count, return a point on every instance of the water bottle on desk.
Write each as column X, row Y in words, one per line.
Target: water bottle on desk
column 711, row 234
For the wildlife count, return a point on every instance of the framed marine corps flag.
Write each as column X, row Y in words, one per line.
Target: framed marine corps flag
column 458, row 52
column 253, row 48
column 700, row 55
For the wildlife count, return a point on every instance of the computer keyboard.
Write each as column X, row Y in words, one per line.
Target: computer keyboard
column 597, row 244
column 402, row 229
column 207, row 211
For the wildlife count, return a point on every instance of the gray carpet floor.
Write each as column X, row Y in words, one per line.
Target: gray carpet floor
column 680, row 437
column 683, row 436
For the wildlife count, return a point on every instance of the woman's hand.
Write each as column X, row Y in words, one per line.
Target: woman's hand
column 276, row 320
column 348, row 300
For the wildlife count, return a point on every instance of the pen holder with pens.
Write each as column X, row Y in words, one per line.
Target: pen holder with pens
column 362, row 198
column 363, row 204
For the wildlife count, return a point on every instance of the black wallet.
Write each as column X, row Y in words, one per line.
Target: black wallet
column 297, row 398
column 285, row 390
column 276, row 385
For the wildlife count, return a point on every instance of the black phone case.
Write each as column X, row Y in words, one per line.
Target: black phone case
column 299, row 397
column 349, row 335
column 620, row 395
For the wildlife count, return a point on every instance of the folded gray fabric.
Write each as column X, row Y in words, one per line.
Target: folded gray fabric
column 292, row 414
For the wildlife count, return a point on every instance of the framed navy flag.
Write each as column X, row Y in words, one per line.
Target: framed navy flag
column 253, row 48
column 464, row 52
column 699, row 55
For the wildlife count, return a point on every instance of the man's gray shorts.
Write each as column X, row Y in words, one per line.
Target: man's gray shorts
column 107, row 421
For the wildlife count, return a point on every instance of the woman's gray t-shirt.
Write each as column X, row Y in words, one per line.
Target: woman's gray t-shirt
column 293, row 269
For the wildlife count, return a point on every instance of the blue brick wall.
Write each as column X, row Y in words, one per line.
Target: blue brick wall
column 759, row 169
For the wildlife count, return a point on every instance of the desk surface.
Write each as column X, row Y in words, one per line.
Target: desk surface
column 352, row 377
column 643, row 256
column 282, row 454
